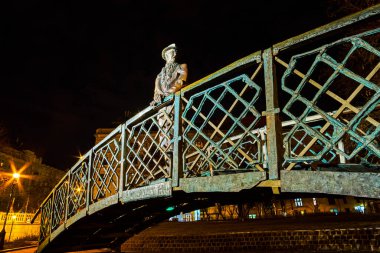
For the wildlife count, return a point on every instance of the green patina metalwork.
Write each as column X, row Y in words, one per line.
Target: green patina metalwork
column 340, row 128
column 211, row 136
column 218, row 150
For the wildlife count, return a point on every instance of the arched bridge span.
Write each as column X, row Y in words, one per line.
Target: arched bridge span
column 302, row 116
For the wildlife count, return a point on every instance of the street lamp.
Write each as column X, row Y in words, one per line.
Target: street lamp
column 10, row 232
column 15, row 178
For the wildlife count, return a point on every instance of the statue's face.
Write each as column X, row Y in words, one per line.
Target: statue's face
column 170, row 55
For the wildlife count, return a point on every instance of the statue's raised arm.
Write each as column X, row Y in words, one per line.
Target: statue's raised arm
column 172, row 77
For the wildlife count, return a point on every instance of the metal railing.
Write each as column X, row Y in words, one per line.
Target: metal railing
column 339, row 77
column 230, row 121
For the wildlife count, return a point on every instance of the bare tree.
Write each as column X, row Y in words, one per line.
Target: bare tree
column 231, row 210
column 221, row 211
column 243, row 210
column 205, row 213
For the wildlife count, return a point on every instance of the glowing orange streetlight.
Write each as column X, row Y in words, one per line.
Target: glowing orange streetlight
column 15, row 177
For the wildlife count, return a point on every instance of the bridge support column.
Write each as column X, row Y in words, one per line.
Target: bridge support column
column 177, row 165
column 274, row 130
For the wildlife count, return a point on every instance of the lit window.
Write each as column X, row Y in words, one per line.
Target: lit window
column 252, row 216
column 359, row 208
column 298, row 202
column 334, row 210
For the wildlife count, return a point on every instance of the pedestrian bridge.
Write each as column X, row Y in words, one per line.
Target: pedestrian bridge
column 299, row 117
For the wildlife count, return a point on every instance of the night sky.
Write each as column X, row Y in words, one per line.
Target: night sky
column 70, row 67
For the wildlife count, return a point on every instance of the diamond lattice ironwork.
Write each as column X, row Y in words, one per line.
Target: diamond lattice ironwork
column 78, row 187
column 218, row 128
column 59, row 204
column 46, row 222
column 106, row 169
column 149, row 148
column 341, row 86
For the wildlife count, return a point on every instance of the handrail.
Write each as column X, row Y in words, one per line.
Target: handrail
column 254, row 57
column 48, row 196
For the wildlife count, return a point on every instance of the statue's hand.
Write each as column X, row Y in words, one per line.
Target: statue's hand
column 156, row 99
column 176, row 87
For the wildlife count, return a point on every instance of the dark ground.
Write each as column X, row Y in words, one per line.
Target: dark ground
column 270, row 224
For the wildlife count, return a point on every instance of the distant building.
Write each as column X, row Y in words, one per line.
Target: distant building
column 344, row 204
column 101, row 133
column 287, row 207
column 35, row 184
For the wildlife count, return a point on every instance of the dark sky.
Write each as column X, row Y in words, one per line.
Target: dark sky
column 70, row 67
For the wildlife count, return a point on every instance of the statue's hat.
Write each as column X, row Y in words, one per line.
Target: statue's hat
column 171, row 46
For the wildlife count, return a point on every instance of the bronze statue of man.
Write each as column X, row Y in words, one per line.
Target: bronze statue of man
column 170, row 80
column 172, row 76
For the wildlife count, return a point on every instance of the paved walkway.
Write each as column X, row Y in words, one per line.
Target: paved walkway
column 33, row 250
column 26, row 249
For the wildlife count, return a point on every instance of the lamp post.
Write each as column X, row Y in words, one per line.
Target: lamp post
column 10, row 232
column 15, row 178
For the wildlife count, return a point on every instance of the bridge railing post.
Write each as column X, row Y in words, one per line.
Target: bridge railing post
column 88, row 186
column 122, row 160
column 51, row 212
column 274, row 129
column 177, row 166
column 67, row 195
column 342, row 159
